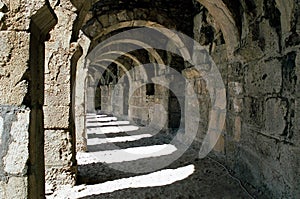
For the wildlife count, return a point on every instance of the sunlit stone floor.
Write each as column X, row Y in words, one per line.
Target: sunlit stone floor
column 127, row 161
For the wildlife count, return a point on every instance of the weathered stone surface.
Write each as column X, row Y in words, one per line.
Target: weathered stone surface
column 16, row 187
column 18, row 17
column 81, row 75
column 220, row 101
column 18, row 153
column 104, row 20
column 191, row 73
column 14, row 57
column 57, row 95
column 59, row 151
column 263, row 77
column 14, row 153
column 237, row 129
column 51, row 118
column 275, row 116
column 260, row 72
column 1, row 129
column 60, row 176
column 59, row 52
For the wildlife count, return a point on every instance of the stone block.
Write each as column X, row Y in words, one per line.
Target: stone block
column 93, row 28
column 219, row 146
column 235, row 88
column 275, row 116
column 237, row 129
column 60, row 176
column 263, row 77
column 201, row 86
column 56, row 117
column 112, row 19
column 20, row 12
column 14, row 58
column 201, row 57
column 289, row 159
column 220, row 101
column 15, row 161
column 191, row 73
column 253, row 106
column 122, row 16
column 2, row 189
column 237, row 105
column 213, row 119
column 270, row 41
column 17, row 188
column 1, row 130
column 57, row 95
column 251, row 52
column 58, row 148
column 104, row 20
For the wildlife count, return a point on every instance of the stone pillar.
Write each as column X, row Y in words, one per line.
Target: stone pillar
column 293, row 153
column 117, row 100
column 160, row 117
column 106, row 98
column 193, row 120
column 23, row 30
column 90, row 99
column 60, row 163
column 79, row 114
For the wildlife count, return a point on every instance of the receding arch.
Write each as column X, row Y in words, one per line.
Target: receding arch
column 219, row 10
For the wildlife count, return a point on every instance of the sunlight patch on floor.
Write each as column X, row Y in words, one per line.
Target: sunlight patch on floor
column 112, row 129
column 96, row 141
column 113, row 123
column 101, row 119
column 124, row 155
column 155, row 179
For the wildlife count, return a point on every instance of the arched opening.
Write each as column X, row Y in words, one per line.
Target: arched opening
column 228, row 91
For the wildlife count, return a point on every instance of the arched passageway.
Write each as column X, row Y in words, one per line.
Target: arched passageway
column 209, row 87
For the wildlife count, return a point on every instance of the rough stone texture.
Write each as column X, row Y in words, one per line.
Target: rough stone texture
column 260, row 128
column 19, row 143
column 57, row 115
column 255, row 45
column 60, row 152
column 58, row 158
column 14, row 154
column 275, row 114
column 263, row 77
column 14, row 57
column 79, row 108
column 19, row 13
column 16, row 187
column 106, row 94
column 90, row 99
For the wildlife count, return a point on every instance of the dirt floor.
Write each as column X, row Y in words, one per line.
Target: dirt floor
column 105, row 172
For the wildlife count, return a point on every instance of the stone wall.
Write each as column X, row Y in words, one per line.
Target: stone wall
column 80, row 93
column 261, row 138
column 24, row 27
column 14, row 138
column 106, row 94
column 255, row 45
column 59, row 128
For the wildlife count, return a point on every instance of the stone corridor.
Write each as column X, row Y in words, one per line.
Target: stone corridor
column 118, row 151
column 149, row 99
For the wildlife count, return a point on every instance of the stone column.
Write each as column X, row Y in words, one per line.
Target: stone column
column 159, row 118
column 23, row 29
column 90, row 99
column 79, row 114
column 117, row 100
column 194, row 121
column 60, row 163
